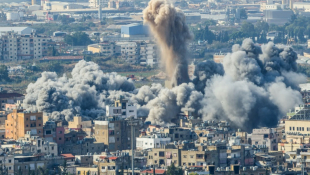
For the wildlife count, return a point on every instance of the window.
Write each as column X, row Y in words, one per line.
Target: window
column 60, row 132
column 161, row 153
column 10, row 160
column 59, row 138
column 185, row 156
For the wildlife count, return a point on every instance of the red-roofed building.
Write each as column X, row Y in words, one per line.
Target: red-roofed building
column 69, row 158
column 113, row 158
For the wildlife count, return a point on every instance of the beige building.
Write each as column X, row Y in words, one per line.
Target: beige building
column 114, row 133
column 79, row 123
column 20, row 47
column 105, row 48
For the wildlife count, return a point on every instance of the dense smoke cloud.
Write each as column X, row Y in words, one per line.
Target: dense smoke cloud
column 167, row 23
column 86, row 93
column 254, row 86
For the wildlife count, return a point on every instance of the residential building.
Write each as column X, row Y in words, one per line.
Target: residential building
column 86, row 170
column 18, row 30
column 148, row 54
column 79, row 123
column 152, row 141
column 39, row 145
column 9, row 98
column 122, row 108
column 130, row 51
column 7, row 161
column 19, row 122
column 20, row 47
column 104, row 48
column 114, row 132
column 265, row 136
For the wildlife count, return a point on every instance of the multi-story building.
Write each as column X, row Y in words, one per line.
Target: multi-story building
column 39, row 145
column 20, row 47
column 116, row 133
column 19, row 122
column 7, row 162
column 79, row 123
column 152, row 141
column 122, row 108
column 9, row 98
column 159, row 157
column 104, row 48
column 148, row 54
column 265, row 136
column 130, row 51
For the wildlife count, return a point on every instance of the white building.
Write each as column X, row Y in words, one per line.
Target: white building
column 301, row 6
column 273, row 6
column 122, row 108
column 18, row 30
column 15, row 46
column 129, row 51
column 40, row 145
column 152, row 141
column 234, row 141
column 148, row 54
column 95, row 3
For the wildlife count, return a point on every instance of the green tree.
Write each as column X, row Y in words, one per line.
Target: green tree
column 172, row 170
column 261, row 26
column 4, row 73
column 78, row 39
column 248, row 29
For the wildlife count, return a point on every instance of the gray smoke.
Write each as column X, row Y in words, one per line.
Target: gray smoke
column 86, row 93
column 255, row 86
column 259, row 86
column 168, row 26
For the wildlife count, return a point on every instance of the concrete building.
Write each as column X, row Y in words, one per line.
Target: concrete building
column 130, row 51
column 152, row 141
column 19, row 47
column 303, row 6
column 116, row 133
column 8, row 162
column 10, row 98
column 79, row 123
column 39, row 145
column 19, row 122
column 134, row 30
column 18, row 30
column 148, row 54
column 121, row 108
column 265, row 137
column 278, row 17
column 95, row 3
column 105, row 48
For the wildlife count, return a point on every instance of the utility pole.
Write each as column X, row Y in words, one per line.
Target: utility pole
column 132, row 123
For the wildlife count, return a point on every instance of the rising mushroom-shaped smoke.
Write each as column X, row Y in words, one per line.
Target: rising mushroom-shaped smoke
column 167, row 23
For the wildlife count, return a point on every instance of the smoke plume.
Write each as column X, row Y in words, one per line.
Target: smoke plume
column 254, row 87
column 168, row 26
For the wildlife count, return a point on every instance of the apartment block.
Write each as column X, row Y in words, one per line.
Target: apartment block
column 116, row 133
column 20, row 122
column 20, row 47
column 104, row 48
column 152, row 141
column 121, row 108
column 130, row 51
column 149, row 54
